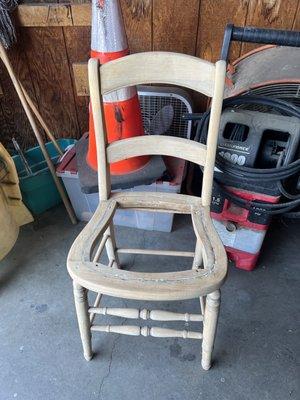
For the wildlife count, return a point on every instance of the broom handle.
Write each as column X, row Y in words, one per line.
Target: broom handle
column 34, row 127
column 41, row 120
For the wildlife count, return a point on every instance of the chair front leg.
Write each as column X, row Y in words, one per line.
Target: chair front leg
column 210, row 321
column 81, row 305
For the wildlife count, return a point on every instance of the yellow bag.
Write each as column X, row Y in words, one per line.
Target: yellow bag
column 13, row 213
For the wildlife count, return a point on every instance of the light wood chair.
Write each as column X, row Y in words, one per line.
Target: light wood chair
column 209, row 265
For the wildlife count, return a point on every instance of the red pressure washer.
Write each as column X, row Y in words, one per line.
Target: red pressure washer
column 255, row 158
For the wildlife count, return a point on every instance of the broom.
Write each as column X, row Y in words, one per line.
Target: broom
column 7, row 38
column 7, row 30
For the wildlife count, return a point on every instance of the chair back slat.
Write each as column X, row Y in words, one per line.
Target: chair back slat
column 157, row 67
column 156, row 145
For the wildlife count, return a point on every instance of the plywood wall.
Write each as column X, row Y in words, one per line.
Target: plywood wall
column 43, row 56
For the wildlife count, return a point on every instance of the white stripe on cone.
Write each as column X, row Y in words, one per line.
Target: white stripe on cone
column 108, row 32
column 108, row 36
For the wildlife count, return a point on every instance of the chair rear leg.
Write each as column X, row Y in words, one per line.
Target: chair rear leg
column 111, row 247
column 81, row 305
column 209, row 327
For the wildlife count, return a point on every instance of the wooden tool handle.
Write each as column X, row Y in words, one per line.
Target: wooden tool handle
column 34, row 127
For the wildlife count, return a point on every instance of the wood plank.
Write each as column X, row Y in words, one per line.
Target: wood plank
column 81, row 14
column 296, row 23
column 45, row 48
column 77, row 41
column 15, row 122
column 138, row 25
column 214, row 16
column 274, row 14
column 80, row 73
column 43, row 15
column 175, row 25
column 20, row 64
column 53, row 14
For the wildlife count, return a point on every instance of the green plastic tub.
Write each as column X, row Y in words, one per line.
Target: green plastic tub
column 38, row 190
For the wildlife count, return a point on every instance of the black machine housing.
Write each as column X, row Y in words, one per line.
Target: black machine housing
column 259, row 140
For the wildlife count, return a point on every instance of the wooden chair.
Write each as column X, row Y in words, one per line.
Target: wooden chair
column 201, row 281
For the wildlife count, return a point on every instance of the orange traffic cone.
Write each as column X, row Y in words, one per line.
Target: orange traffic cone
column 121, row 108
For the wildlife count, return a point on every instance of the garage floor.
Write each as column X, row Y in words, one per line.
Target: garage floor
column 40, row 351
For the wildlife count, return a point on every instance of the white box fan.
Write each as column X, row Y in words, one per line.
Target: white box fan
column 162, row 108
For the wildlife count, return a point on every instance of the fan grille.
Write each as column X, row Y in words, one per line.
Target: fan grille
column 284, row 91
column 151, row 104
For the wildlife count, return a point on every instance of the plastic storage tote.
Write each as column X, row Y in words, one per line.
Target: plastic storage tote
column 85, row 204
column 38, row 190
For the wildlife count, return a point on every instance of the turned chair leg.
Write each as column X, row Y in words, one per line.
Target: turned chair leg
column 111, row 247
column 209, row 327
column 81, row 304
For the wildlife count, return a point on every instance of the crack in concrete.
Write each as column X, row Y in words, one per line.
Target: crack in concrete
column 99, row 396
column 109, row 366
column 105, row 377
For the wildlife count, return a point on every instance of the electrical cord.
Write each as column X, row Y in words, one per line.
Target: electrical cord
column 285, row 193
column 282, row 106
column 267, row 208
column 270, row 174
column 278, row 174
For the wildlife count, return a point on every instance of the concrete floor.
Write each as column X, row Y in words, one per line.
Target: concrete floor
column 40, row 350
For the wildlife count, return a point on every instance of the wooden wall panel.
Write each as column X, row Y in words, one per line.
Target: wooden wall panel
column 175, row 25
column 49, row 68
column 13, row 118
column 214, row 16
column 138, row 25
column 277, row 14
column 296, row 23
column 44, row 55
column 77, row 41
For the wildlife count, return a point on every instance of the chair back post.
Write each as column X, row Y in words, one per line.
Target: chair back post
column 213, row 132
column 100, row 129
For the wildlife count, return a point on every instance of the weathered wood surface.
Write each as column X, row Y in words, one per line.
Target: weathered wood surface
column 163, row 286
column 213, row 18
column 78, row 53
column 175, row 25
column 270, row 14
column 56, row 34
column 138, row 27
column 53, row 14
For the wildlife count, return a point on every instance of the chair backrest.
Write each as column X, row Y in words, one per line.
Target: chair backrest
column 157, row 67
